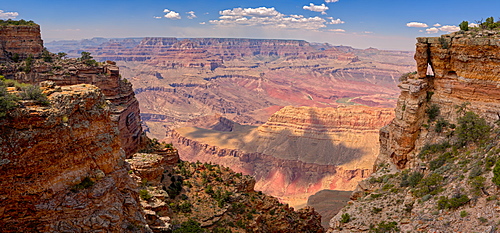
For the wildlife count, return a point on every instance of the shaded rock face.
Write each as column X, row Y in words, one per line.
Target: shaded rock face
column 63, row 169
column 298, row 152
column 21, row 40
column 124, row 105
column 465, row 70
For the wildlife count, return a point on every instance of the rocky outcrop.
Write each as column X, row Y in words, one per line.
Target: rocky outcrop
column 427, row 178
column 23, row 40
column 465, row 70
column 124, row 105
column 63, row 168
column 214, row 197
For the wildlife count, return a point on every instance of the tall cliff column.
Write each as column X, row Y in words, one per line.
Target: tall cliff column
column 23, row 40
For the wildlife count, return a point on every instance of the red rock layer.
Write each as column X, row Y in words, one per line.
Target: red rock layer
column 47, row 152
column 21, row 40
column 465, row 70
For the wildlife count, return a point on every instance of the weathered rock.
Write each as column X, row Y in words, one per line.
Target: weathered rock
column 63, row 167
column 22, row 40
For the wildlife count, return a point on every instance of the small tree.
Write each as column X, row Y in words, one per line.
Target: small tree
column 85, row 56
column 464, row 26
column 472, row 129
column 496, row 173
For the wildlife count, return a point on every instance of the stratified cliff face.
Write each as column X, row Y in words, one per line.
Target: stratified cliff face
column 298, row 152
column 62, row 168
column 22, row 40
column 435, row 168
column 466, row 70
column 124, row 105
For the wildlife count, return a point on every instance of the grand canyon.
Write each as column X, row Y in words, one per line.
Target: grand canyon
column 164, row 134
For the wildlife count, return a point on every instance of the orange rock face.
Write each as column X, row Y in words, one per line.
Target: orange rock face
column 466, row 70
column 21, row 40
column 298, row 152
column 62, row 168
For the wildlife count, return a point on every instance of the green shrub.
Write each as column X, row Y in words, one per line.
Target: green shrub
column 7, row 101
column 385, row 227
column 189, row 226
column 439, row 161
column 144, row 194
column 464, row 26
column 440, row 124
column 496, row 173
column 472, row 129
column 444, row 43
column 85, row 183
column 345, row 218
column 429, row 185
column 33, row 92
column 432, row 112
column 463, row 213
column 433, row 148
column 452, row 203
column 411, row 180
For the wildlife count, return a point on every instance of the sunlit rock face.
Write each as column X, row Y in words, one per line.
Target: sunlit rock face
column 62, row 167
column 298, row 152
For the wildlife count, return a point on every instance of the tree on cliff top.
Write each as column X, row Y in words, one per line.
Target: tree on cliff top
column 87, row 59
column 21, row 22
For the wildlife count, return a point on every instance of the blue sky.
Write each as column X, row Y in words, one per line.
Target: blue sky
column 358, row 23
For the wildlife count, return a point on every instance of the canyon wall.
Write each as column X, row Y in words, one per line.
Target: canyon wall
column 22, row 40
column 432, row 173
column 465, row 70
column 62, row 166
column 298, row 152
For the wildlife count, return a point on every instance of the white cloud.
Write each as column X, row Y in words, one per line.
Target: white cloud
column 267, row 17
column 437, row 25
column 203, row 23
column 367, row 32
column 432, row 30
column 416, row 25
column 449, row 28
column 335, row 21
column 336, row 30
column 473, row 25
column 157, row 17
column 171, row 14
column 191, row 15
column 8, row 15
column 316, row 8
column 329, row 1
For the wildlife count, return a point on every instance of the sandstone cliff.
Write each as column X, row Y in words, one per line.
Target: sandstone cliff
column 23, row 40
column 298, row 152
column 435, row 168
column 62, row 168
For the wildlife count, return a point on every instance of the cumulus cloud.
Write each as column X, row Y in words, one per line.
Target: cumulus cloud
column 336, row 30
column 157, row 17
column 473, row 25
column 437, row 25
column 329, row 1
column 432, row 30
column 335, row 21
column 8, row 15
column 171, row 14
column 316, row 8
column 191, row 15
column 267, row 17
column 449, row 28
column 416, row 25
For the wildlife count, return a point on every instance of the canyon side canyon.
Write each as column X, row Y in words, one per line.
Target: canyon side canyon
column 218, row 100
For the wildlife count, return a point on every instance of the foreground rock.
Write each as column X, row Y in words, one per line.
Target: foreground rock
column 62, row 168
column 445, row 136
column 205, row 196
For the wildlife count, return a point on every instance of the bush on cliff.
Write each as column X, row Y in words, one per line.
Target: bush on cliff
column 472, row 129
column 464, row 26
column 7, row 100
column 21, row 22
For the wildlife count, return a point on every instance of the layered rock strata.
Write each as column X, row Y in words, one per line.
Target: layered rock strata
column 298, row 152
column 124, row 105
column 63, row 168
column 452, row 186
column 22, row 40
